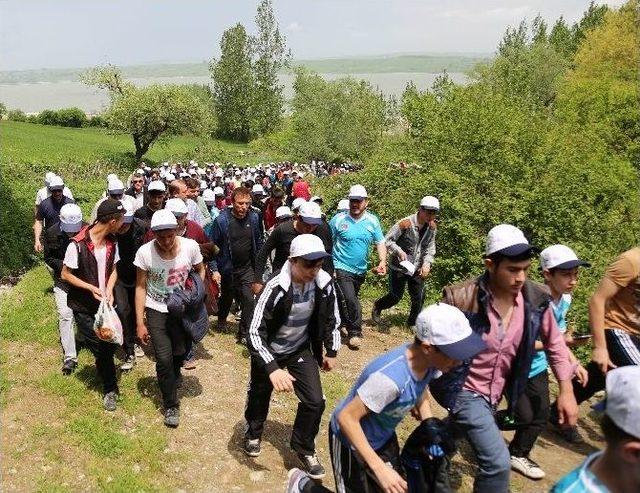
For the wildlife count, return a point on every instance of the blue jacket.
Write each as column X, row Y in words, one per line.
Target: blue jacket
column 220, row 236
column 188, row 305
column 472, row 297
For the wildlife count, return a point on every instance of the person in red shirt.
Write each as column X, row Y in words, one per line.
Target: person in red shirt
column 301, row 188
column 271, row 206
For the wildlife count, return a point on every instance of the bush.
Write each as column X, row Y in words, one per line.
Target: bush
column 96, row 121
column 17, row 116
column 71, row 117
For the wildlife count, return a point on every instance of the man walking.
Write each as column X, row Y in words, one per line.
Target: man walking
column 48, row 211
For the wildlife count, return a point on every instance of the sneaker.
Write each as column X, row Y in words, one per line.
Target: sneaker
column 129, row 363
column 241, row 340
column 138, row 351
column 375, row 316
column 222, row 326
column 252, row 447
column 189, row 364
column 69, row 366
column 312, row 466
column 110, row 400
column 295, row 475
column 571, row 434
column 354, row 342
column 172, row 417
column 527, row 467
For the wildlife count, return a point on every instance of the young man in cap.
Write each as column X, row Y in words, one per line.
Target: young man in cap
column 163, row 266
column 615, row 326
column 412, row 243
column 307, row 221
column 362, row 439
column 616, row 469
column 353, row 233
column 115, row 191
column 56, row 240
column 48, row 211
column 511, row 313
column 156, row 194
column 559, row 265
column 193, row 193
column 89, row 269
column 294, row 318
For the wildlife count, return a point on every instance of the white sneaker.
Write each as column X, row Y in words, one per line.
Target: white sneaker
column 295, row 475
column 138, row 351
column 527, row 467
column 354, row 342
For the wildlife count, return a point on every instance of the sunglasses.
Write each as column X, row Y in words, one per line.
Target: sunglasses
column 311, row 264
column 427, row 209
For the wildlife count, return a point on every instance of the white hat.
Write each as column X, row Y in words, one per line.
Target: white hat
column 258, row 189
column 357, row 192
column 170, row 177
column 203, row 185
column 177, row 206
column 115, row 187
column 56, row 183
column 297, row 203
column 70, row 218
column 507, row 240
column 209, row 195
column 446, row 327
column 218, row 191
column 156, row 186
column 238, row 172
column 622, row 402
column 310, row 213
column 283, row 211
column 163, row 219
column 48, row 176
column 430, row 202
column 309, row 247
column 111, row 176
column 343, row 205
column 219, row 173
column 128, row 212
column 560, row 257
column 139, row 171
column 316, row 198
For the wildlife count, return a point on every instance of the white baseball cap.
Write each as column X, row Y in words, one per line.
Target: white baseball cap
column 56, row 183
column 163, row 219
column 430, row 202
column 316, row 198
column 219, row 174
column 622, row 401
column 310, row 213
column 128, row 213
column 48, row 176
column 343, row 205
column 308, row 247
column 115, row 187
column 209, row 196
column 218, row 191
column 203, row 185
column 560, row 257
column 297, row 203
column 70, row 218
column 446, row 327
column 156, row 186
column 357, row 192
column 177, row 206
column 170, row 177
column 283, row 211
column 507, row 240
column 258, row 189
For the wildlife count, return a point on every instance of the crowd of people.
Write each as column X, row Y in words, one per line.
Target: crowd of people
column 181, row 245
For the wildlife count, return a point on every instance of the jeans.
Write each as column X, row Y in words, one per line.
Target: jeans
column 168, row 339
column 307, row 387
column 65, row 325
column 125, row 308
column 397, row 282
column 103, row 351
column 237, row 285
column 349, row 285
column 473, row 416
column 532, row 413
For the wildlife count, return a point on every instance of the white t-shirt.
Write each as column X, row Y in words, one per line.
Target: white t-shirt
column 164, row 276
column 44, row 193
column 71, row 261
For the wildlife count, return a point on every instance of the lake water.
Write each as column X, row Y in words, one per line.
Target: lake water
column 33, row 98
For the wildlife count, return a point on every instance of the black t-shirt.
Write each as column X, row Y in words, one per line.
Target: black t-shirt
column 49, row 210
column 240, row 236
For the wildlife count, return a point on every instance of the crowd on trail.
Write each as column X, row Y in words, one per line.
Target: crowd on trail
column 171, row 249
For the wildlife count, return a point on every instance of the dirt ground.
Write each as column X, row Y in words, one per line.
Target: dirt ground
column 208, row 439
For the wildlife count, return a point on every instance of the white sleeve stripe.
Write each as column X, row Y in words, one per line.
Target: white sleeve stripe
column 257, row 317
column 336, row 328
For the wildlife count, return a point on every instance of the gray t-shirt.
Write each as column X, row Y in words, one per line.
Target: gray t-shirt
column 294, row 334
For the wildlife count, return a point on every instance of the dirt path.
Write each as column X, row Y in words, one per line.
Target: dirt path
column 207, row 441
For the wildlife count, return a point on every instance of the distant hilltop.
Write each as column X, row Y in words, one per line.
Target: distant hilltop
column 409, row 63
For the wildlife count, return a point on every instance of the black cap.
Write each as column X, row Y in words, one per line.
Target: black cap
column 108, row 207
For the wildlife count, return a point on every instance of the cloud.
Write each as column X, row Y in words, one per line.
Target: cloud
column 294, row 27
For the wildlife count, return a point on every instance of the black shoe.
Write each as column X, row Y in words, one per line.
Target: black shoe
column 375, row 316
column 251, row 447
column 570, row 434
column 241, row 340
column 69, row 366
column 312, row 466
column 172, row 417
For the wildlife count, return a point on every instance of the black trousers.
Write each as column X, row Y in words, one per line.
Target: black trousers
column 397, row 282
column 351, row 474
column 532, row 411
column 125, row 308
column 348, row 289
column 101, row 350
column 304, row 368
column 168, row 339
column 237, row 285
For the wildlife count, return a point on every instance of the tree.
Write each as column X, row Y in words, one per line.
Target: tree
column 562, row 39
column 233, row 85
column 3, row 110
column 270, row 55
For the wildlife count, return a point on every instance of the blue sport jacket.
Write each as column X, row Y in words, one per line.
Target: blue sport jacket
column 220, row 236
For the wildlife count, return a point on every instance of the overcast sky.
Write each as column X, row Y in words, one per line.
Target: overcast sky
column 80, row 33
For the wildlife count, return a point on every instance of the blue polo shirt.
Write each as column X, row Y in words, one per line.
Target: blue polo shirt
column 352, row 239
column 581, row 479
column 539, row 362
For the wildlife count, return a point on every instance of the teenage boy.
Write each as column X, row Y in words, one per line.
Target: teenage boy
column 353, row 233
column 295, row 316
column 89, row 269
column 511, row 313
column 559, row 265
column 156, row 194
column 616, row 468
column 412, row 246
column 163, row 266
column 362, row 438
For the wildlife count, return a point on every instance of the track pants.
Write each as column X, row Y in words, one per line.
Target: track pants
column 65, row 325
column 349, row 285
column 397, row 283
column 237, row 285
column 532, row 411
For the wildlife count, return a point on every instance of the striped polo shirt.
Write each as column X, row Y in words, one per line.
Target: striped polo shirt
column 294, row 334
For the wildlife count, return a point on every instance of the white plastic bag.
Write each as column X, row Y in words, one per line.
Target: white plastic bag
column 107, row 325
